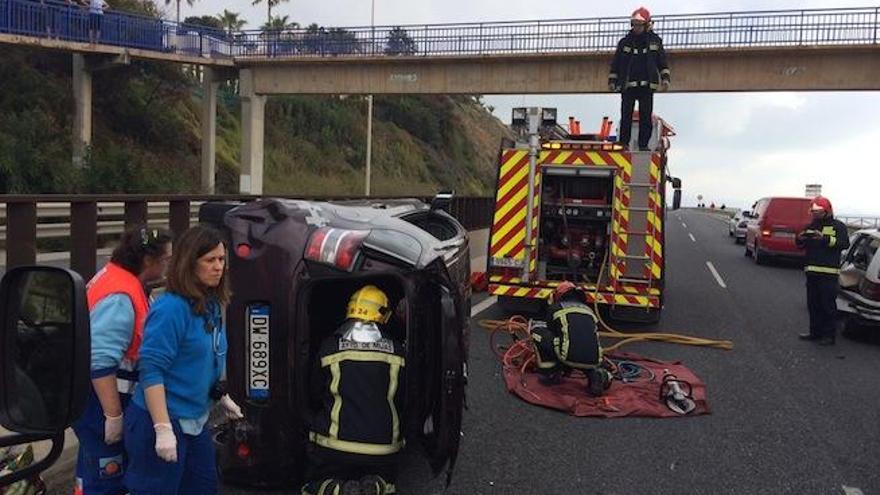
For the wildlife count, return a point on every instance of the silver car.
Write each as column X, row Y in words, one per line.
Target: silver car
column 736, row 226
column 859, row 295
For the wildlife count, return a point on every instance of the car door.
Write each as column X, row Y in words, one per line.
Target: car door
column 855, row 262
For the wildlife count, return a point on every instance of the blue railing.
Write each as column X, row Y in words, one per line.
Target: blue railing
column 816, row 27
column 69, row 22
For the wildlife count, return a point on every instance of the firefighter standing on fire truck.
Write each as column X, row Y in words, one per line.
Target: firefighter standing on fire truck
column 638, row 69
column 570, row 340
column 824, row 239
column 356, row 433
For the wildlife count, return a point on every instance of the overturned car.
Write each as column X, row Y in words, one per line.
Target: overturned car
column 293, row 266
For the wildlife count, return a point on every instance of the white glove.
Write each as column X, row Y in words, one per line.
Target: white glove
column 230, row 407
column 166, row 442
column 112, row 429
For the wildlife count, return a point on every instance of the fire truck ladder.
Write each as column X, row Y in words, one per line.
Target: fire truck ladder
column 631, row 253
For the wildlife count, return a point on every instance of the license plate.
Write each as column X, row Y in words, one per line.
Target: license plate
column 784, row 235
column 258, row 351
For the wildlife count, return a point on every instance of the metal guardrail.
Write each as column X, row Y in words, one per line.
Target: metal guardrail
column 83, row 218
column 771, row 28
column 69, row 22
column 861, row 222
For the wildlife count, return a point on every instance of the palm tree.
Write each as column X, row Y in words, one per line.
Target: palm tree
column 279, row 24
column 188, row 2
column 270, row 4
column 231, row 22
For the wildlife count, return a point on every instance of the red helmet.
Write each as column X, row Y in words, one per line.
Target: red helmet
column 641, row 14
column 564, row 289
column 822, row 203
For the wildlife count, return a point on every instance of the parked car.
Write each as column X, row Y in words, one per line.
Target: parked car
column 293, row 266
column 773, row 225
column 736, row 226
column 859, row 295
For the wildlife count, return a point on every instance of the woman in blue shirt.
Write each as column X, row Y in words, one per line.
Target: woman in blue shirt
column 182, row 359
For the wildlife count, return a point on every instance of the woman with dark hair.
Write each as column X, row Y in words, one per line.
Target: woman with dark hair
column 118, row 306
column 182, row 361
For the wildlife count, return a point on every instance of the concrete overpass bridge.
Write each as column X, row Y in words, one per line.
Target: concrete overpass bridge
column 789, row 50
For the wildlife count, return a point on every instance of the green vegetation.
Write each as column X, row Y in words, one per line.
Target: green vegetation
column 147, row 134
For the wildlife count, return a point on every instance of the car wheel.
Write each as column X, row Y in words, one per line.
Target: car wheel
column 760, row 258
column 748, row 252
column 729, row 232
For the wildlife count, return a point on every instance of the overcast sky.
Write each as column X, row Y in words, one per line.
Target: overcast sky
column 731, row 148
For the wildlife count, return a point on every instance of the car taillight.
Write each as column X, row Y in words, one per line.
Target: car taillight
column 337, row 247
column 243, row 250
column 243, row 451
column 766, row 233
column 871, row 290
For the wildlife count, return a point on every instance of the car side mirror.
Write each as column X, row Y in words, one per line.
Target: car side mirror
column 45, row 348
column 442, row 201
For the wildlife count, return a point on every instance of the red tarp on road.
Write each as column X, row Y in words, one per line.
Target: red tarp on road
column 640, row 398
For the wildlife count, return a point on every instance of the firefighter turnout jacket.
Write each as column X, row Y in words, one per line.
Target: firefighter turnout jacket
column 639, row 62
column 824, row 239
column 569, row 339
column 361, row 386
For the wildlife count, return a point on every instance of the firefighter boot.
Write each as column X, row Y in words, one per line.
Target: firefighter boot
column 376, row 485
column 600, row 380
column 323, row 487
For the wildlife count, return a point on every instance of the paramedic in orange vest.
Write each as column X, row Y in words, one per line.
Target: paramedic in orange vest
column 118, row 306
column 639, row 68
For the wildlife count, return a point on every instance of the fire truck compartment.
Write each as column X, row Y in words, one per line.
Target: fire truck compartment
column 575, row 221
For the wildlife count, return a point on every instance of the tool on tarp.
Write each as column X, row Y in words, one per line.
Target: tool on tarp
column 677, row 394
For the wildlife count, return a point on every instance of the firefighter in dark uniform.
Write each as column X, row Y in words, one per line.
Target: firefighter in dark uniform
column 355, row 435
column 824, row 239
column 570, row 340
column 639, row 68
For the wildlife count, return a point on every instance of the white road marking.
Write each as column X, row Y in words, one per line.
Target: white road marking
column 851, row 490
column 684, row 225
column 483, row 305
column 692, row 237
column 716, row 275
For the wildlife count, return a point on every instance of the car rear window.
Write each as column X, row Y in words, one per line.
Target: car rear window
column 789, row 211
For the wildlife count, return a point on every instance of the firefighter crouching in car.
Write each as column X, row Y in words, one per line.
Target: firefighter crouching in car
column 824, row 239
column 570, row 340
column 355, row 435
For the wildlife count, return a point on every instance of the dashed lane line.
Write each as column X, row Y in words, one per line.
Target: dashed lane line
column 716, row 275
column 483, row 305
column 692, row 237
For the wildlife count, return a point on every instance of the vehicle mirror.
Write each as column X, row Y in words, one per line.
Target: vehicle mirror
column 442, row 201
column 676, row 199
column 45, row 349
column 676, row 183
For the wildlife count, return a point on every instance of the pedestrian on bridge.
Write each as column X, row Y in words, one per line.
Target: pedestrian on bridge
column 638, row 69
column 824, row 239
column 182, row 360
column 117, row 310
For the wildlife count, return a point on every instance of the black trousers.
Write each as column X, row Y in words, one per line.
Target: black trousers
column 822, row 303
column 645, row 97
column 325, row 464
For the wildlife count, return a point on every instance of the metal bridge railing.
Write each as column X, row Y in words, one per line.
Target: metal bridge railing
column 861, row 222
column 777, row 28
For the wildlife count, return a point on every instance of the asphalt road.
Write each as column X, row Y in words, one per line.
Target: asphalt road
column 788, row 417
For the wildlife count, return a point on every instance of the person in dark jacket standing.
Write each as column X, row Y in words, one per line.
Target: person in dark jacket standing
column 824, row 239
column 639, row 68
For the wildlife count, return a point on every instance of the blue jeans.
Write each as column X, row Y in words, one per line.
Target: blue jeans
column 194, row 473
column 99, row 467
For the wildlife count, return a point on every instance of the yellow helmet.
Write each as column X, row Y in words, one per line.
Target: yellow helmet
column 369, row 303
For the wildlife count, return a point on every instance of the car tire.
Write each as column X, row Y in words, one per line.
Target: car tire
column 748, row 252
column 760, row 258
column 729, row 232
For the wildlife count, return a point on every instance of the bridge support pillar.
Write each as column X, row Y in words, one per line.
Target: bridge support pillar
column 210, row 85
column 253, row 114
column 82, row 120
